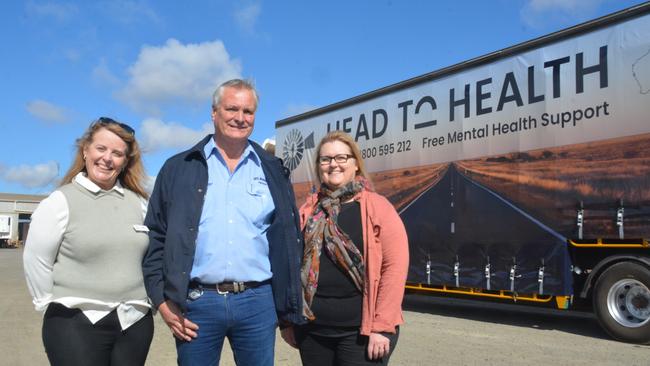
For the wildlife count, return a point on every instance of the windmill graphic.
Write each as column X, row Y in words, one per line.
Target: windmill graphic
column 294, row 146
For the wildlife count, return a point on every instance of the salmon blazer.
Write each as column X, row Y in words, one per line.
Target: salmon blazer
column 386, row 258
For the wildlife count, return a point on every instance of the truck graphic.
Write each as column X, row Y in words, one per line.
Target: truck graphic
column 520, row 175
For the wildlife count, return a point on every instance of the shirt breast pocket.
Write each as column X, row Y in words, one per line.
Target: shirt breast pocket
column 260, row 202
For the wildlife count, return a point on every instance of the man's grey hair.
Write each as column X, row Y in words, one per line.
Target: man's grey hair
column 237, row 84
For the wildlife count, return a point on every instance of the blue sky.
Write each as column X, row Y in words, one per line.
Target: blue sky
column 154, row 64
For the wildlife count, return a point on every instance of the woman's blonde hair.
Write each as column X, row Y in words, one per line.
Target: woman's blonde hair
column 348, row 140
column 133, row 174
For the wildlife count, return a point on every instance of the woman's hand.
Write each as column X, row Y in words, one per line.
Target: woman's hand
column 378, row 346
column 289, row 336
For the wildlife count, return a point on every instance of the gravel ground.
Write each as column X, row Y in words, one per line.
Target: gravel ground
column 437, row 332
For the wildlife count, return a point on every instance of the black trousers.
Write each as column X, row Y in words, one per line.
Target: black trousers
column 349, row 349
column 70, row 339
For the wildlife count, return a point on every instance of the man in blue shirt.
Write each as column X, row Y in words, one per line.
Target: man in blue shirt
column 225, row 244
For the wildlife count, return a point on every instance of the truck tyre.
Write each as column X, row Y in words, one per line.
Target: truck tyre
column 622, row 302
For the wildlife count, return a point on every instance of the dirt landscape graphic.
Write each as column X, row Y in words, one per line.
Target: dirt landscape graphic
column 551, row 183
column 400, row 186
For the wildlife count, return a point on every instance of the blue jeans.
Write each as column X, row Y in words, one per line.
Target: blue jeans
column 248, row 319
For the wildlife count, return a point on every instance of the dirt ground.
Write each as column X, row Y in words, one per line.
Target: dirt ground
column 436, row 332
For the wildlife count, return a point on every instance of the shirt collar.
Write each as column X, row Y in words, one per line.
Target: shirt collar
column 210, row 149
column 94, row 188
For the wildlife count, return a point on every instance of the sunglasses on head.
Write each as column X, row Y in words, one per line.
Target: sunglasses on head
column 107, row 121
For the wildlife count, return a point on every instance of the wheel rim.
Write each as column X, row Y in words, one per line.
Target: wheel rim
column 628, row 302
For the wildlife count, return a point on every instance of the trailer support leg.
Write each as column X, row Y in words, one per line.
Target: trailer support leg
column 457, row 272
column 487, row 275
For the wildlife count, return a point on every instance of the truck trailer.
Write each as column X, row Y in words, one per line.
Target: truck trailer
column 521, row 175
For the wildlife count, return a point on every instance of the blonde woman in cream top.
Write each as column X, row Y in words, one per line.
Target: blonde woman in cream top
column 84, row 251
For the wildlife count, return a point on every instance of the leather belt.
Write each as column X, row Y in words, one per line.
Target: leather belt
column 234, row 287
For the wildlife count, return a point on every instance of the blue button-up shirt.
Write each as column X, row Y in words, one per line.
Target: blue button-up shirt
column 231, row 244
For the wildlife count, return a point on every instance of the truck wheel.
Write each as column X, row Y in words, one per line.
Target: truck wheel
column 622, row 302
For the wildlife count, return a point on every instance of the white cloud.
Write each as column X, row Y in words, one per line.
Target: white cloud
column 179, row 73
column 130, row 12
column 59, row 11
column 47, row 111
column 31, row 176
column 564, row 5
column 246, row 17
column 158, row 135
column 538, row 12
column 149, row 182
column 72, row 55
column 103, row 75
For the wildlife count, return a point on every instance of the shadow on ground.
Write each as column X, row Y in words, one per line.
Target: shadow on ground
column 573, row 322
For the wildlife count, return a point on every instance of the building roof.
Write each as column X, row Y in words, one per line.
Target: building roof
column 21, row 197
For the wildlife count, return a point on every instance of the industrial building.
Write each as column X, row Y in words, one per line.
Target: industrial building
column 15, row 215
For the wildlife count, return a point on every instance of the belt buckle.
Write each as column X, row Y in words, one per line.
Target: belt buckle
column 238, row 287
column 219, row 291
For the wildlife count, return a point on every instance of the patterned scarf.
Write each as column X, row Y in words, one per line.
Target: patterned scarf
column 322, row 231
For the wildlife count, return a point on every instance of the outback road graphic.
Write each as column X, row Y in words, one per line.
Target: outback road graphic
column 458, row 227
